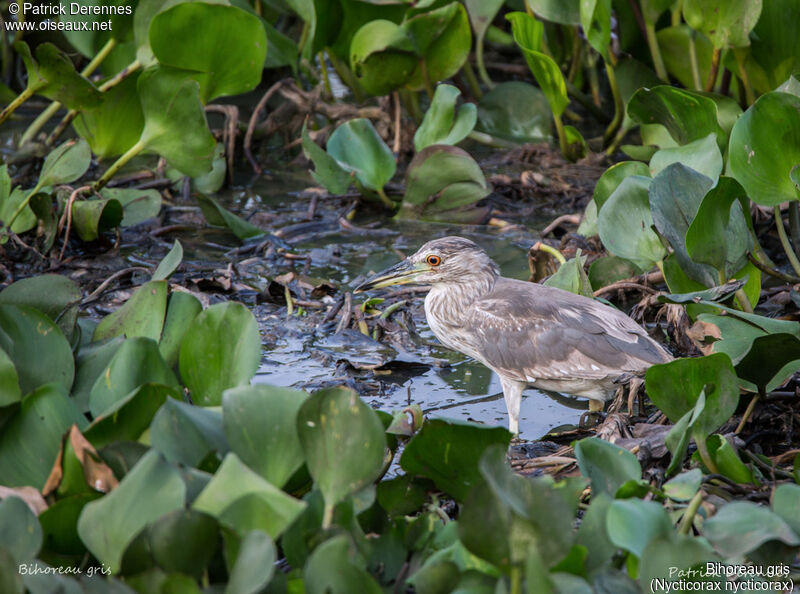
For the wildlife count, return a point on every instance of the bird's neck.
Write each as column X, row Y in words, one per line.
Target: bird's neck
column 448, row 302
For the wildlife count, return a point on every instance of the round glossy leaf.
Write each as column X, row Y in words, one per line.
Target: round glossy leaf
column 141, row 315
column 254, row 566
column 357, row 147
column 65, row 163
column 260, row 423
column 482, row 13
column 671, row 552
column 92, row 359
column 93, row 217
column 37, row 347
column 9, row 381
column 596, row 22
column 771, row 360
column 216, row 214
column 183, row 541
column 702, row 155
column 151, row 489
column 563, row 12
column 606, row 465
column 327, row 171
column 52, row 294
column 684, row 486
column 613, row 177
column 774, row 46
column 726, row 22
column 175, row 124
column 516, row 111
column 220, row 350
column 739, row 527
column 765, row 146
column 182, row 310
column 223, row 45
column 786, row 503
column 31, row 437
column 610, row 269
column 343, row 442
column 10, row 202
column 381, row 57
column 332, row 569
column 20, row 531
column 633, row 523
column 186, row 433
column 675, row 43
column 441, row 125
column 137, row 205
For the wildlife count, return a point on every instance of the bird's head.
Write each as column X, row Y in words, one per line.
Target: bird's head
column 445, row 260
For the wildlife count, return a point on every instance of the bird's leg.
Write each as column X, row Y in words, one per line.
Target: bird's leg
column 512, row 393
column 595, row 406
column 595, row 410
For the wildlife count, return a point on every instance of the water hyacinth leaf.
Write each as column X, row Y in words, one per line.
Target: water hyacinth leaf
column 10, row 391
column 91, row 361
column 136, row 362
column 545, row 70
column 675, row 196
column 216, row 214
column 208, row 368
column 65, row 163
column 128, row 418
column 701, row 155
column 741, row 526
column 563, row 12
column 381, row 56
column 515, row 111
column 765, row 147
column 224, row 46
column 481, row 14
column 727, row 460
column 52, row 294
column 571, row 276
column 726, row 23
column 20, row 531
column 687, row 115
column 359, row 149
column 137, row 205
column 31, row 437
column 684, row 486
column 675, row 386
column 613, row 177
column 254, row 566
column 182, row 309
column 672, row 552
column 596, row 22
column 786, row 503
column 37, row 348
column 260, row 423
column 718, row 235
column 169, row 263
column 443, row 123
column 115, row 125
column 610, row 269
column 327, row 171
column 402, row 495
column 10, row 202
column 771, row 360
column 187, row 434
column 93, row 217
column 175, row 124
column 343, row 442
column 624, row 224
column 141, row 315
column 151, row 489
column 183, row 541
column 448, row 452
column 234, row 483
column 633, row 523
column 333, row 568
column 606, row 465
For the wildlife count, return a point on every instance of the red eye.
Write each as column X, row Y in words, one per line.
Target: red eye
column 433, row 260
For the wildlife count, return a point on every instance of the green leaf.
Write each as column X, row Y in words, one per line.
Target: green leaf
column 675, row 386
column 92, row 359
column 10, row 201
column 740, row 527
column 563, row 12
column 9, row 381
column 169, row 263
column 771, row 360
column 443, row 124
column 727, row 460
column 327, row 171
column 675, row 197
column 254, row 566
column 209, row 367
column 527, row 31
column 765, row 146
column 224, row 46
column 481, row 14
column 54, row 295
column 92, row 217
column 633, row 523
column 774, row 43
column 701, row 155
column 673, row 552
column 65, row 163
column 241, row 499
column 215, row 214
column 174, row 120
column 141, row 315
column 357, row 148
column 448, row 452
column 343, row 442
column 786, row 503
column 684, row 486
column 151, row 489
column 718, row 235
column 183, row 541
column 381, row 56
column 606, row 465
column 402, row 495
column 333, row 569
column 727, row 23
column 613, row 177
column 37, row 348
column 515, row 111
column 260, row 423
column 187, row 434
column 596, row 22
column 182, row 310
column 137, row 205
column 135, row 363
column 20, row 531
column 624, row 224
column 610, row 269
column 571, row 276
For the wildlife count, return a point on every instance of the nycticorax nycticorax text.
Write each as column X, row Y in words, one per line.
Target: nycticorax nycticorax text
column 527, row 333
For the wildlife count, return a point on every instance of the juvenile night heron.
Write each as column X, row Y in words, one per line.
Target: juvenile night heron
column 527, row 333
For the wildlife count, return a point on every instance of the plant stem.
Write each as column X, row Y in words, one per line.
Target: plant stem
column 705, row 456
column 327, row 516
column 581, row 98
column 98, row 59
column 794, row 224
column 516, row 580
column 785, row 241
column 576, row 55
column 118, row 164
column 472, row 80
column 594, row 83
column 619, row 106
column 22, row 206
column 39, row 122
column 480, row 64
column 490, row 140
column 18, row 100
column 691, row 510
column 740, row 54
column 562, row 135
column 346, row 75
column 744, row 302
column 787, row 278
column 655, row 51
column 411, row 101
column 543, row 247
column 698, row 85
column 426, row 77
column 326, row 81
column 387, row 202
column 301, row 45
column 749, row 410
column 712, row 74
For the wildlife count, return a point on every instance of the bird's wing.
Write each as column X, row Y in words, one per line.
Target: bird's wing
column 534, row 332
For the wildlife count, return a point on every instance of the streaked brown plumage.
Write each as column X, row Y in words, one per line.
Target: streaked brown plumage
column 529, row 334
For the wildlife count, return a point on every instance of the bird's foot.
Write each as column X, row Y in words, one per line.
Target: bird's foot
column 591, row 419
